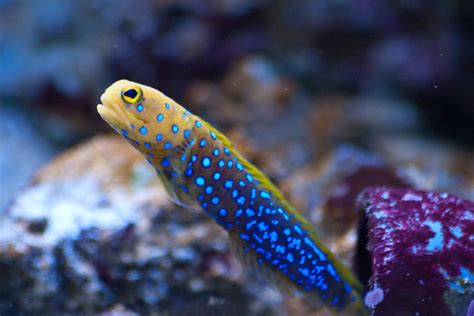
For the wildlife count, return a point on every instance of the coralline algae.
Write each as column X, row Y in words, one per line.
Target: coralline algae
column 422, row 252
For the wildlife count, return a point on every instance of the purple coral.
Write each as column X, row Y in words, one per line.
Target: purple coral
column 422, row 247
column 470, row 309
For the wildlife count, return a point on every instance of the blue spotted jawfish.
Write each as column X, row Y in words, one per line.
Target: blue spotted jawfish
column 200, row 169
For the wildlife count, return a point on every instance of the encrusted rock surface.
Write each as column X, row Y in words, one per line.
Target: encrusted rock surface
column 95, row 229
column 421, row 246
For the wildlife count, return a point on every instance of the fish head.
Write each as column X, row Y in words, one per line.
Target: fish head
column 143, row 115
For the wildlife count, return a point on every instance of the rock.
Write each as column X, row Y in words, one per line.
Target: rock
column 430, row 164
column 421, row 252
column 342, row 196
column 335, row 119
column 95, row 231
column 325, row 190
column 118, row 310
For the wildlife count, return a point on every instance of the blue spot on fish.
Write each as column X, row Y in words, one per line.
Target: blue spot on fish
column 298, row 229
column 250, row 212
column 249, row 178
column 239, row 166
column 262, row 226
column 188, row 172
column 264, row 195
column 244, row 236
column 228, row 184
column 280, row 249
column 165, row 162
column 347, row 288
column 241, row 200
column 206, row 162
column 200, row 181
column 160, row 117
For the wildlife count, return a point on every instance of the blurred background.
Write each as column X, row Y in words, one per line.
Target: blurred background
column 56, row 57
column 290, row 82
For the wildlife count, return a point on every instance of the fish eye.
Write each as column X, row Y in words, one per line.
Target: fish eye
column 132, row 95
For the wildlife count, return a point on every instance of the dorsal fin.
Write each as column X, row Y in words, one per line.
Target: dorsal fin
column 265, row 183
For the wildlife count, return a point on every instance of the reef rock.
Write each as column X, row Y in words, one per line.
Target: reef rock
column 95, row 233
column 421, row 248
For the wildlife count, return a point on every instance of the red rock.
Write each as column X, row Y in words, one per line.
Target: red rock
column 342, row 197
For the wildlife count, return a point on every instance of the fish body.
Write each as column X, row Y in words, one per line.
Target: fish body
column 199, row 168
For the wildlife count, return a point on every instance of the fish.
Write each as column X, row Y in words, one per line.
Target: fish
column 200, row 169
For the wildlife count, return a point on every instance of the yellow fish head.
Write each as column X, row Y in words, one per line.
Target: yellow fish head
column 142, row 114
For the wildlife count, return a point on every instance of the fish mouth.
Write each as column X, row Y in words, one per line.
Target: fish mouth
column 113, row 112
